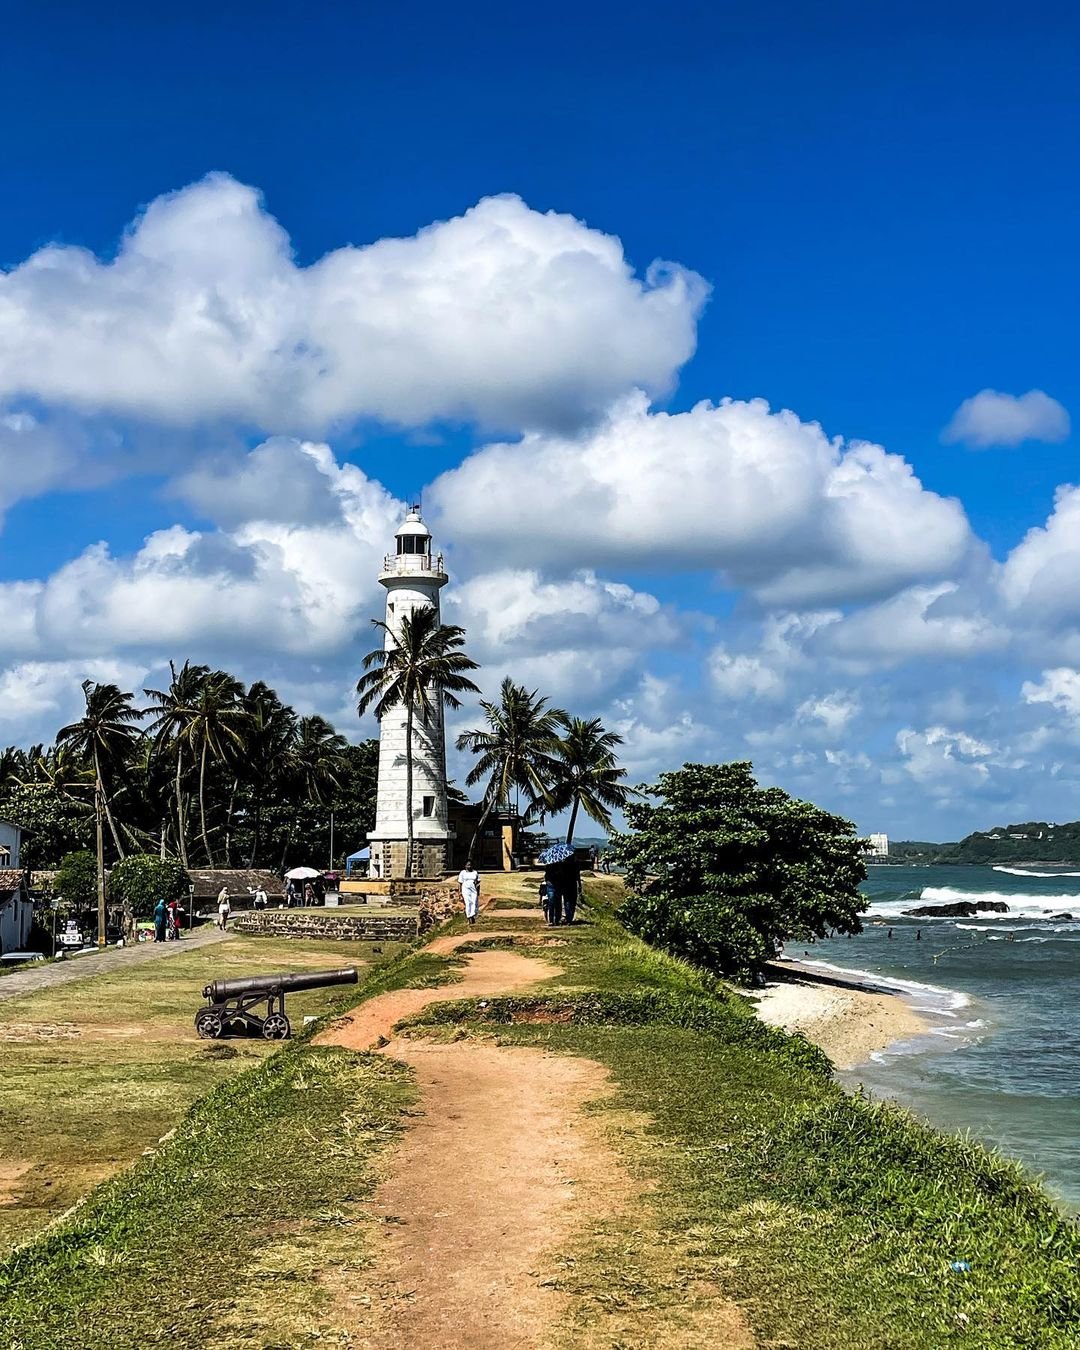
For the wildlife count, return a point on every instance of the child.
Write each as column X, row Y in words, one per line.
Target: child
column 549, row 898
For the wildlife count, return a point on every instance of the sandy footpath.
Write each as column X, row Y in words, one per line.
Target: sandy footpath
column 848, row 1023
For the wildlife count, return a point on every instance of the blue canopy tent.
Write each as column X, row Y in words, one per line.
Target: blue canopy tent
column 362, row 855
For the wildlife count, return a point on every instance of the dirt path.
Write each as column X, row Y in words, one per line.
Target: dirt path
column 495, row 972
column 501, row 1173
column 500, row 1169
column 48, row 976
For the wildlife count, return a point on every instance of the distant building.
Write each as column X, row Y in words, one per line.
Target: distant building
column 878, row 846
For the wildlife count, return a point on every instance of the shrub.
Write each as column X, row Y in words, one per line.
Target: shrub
column 76, row 879
column 140, row 881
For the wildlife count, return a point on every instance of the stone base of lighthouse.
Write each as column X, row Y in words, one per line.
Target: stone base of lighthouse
column 390, row 855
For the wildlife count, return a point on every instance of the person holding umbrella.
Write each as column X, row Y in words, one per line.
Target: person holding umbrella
column 561, row 875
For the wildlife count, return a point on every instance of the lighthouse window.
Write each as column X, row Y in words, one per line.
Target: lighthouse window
column 413, row 543
column 429, row 806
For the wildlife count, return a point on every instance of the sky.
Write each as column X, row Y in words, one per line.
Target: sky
column 730, row 349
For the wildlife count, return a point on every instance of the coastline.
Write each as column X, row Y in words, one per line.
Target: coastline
column 849, row 1018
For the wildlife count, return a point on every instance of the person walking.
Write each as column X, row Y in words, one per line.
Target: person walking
column 469, row 881
column 178, row 920
column 549, row 898
column 161, row 915
column 260, row 898
column 224, row 909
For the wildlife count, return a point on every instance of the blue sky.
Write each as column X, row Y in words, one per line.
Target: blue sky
column 211, row 413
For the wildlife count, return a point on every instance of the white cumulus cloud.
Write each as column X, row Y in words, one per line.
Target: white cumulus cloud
column 991, row 418
column 505, row 315
column 766, row 499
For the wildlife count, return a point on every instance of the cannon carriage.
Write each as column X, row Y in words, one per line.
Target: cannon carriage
column 231, row 1004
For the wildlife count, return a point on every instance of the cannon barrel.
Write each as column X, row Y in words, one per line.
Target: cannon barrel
column 220, row 990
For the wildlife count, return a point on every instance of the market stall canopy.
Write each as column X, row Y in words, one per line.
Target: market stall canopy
column 302, row 874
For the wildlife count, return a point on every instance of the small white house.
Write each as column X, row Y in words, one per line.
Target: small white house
column 16, row 907
column 16, row 911
column 10, row 841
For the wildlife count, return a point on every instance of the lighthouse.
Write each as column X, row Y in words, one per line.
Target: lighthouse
column 413, row 576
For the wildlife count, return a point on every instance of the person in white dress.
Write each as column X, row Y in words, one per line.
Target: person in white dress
column 469, row 881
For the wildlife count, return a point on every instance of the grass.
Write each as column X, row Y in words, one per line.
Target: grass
column 220, row 1237
column 832, row 1222
column 97, row 1070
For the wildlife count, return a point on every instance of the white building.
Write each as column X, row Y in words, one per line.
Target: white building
column 16, row 910
column 879, row 846
column 10, row 841
column 413, row 577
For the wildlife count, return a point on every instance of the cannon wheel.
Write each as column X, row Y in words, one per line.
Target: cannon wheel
column 276, row 1027
column 209, row 1025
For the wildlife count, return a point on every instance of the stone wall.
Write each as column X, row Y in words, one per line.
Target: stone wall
column 439, row 901
column 329, row 925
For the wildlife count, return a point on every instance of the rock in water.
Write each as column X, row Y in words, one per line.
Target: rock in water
column 959, row 909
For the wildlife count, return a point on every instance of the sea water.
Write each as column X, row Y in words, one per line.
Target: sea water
column 1001, row 1057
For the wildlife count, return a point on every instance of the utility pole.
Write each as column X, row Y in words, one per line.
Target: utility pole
column 100, row 865
column 331, row 867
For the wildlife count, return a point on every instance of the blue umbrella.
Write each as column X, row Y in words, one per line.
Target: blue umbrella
column 555, row 853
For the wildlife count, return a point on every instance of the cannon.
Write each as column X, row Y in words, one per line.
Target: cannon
column 231, row 1003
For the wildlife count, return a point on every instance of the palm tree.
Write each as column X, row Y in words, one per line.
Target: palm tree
column 422, row 669
column 312, row 767
column 588, row 773
column 315, row 757
column 269, row 732
column 215, row 729
column 105, row 737
column 176, row 710
column 516, row 750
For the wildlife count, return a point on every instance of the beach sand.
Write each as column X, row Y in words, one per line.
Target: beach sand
column 847, row 1022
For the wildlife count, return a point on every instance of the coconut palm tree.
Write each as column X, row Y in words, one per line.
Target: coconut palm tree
column 313, row 763
column 104, row 737
column 588, row 773
column 214, row 731
column 516, row 751
column 421, row 669
column 269, row 732
column 176, row 710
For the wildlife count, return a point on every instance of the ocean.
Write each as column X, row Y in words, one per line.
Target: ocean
column 1002, row 1058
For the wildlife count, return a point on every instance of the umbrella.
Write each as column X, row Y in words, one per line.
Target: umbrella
column 302, row 874
column 555, row 853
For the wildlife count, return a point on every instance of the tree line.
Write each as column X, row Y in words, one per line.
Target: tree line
column 208, row 771
column 214, row 773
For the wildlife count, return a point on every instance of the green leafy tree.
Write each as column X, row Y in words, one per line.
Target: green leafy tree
column 54, row 823
column 588, row 774
column 723, row 872
column 141, row 880
column 515, row 751
column 422, row 669
column 76, row 879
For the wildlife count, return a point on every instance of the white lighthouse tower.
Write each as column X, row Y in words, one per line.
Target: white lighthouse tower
column 413, row 577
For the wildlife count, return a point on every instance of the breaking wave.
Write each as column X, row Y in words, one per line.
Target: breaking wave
column 1027, row 872
column 1020, row 905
